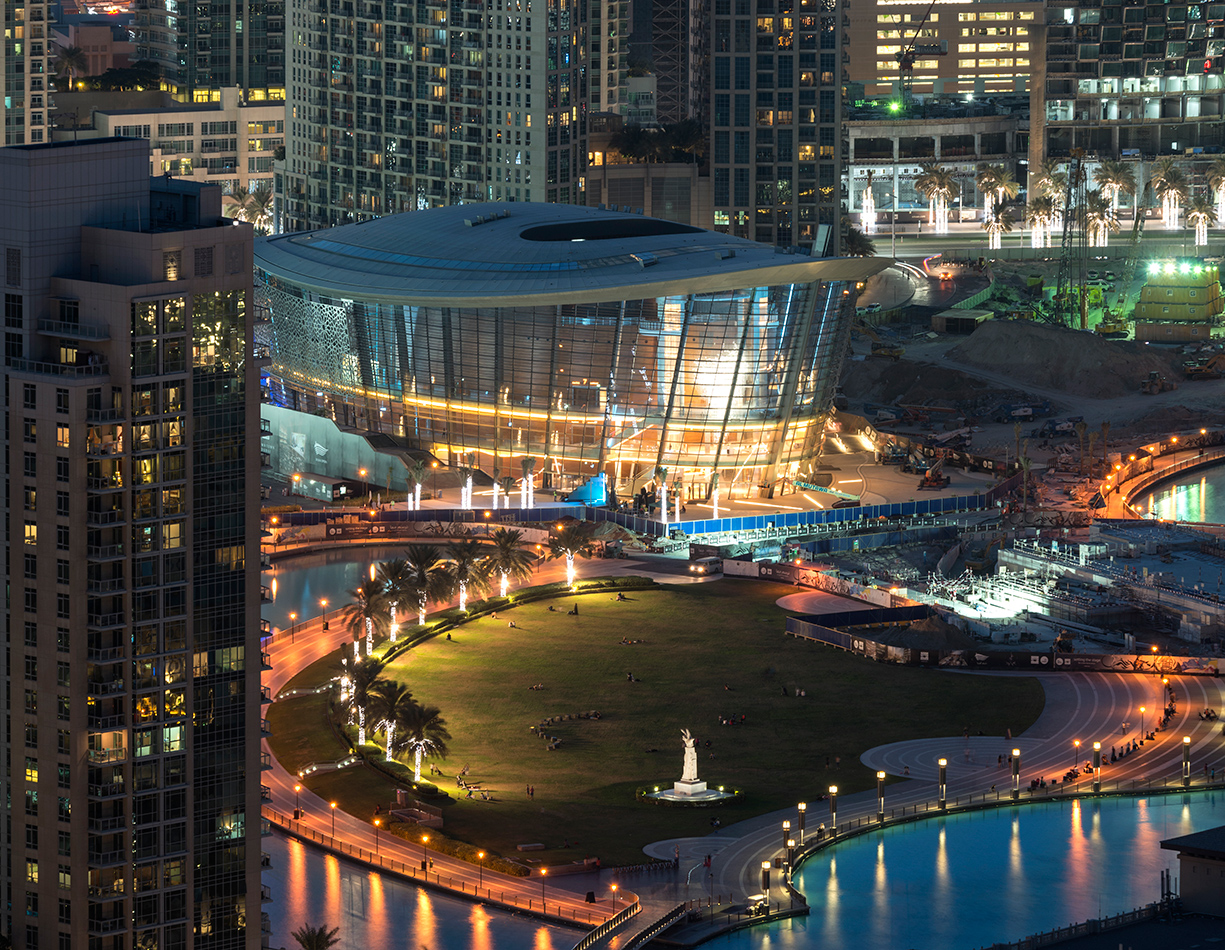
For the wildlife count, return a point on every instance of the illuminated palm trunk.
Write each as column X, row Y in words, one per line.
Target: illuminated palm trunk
column 361, row 725
column 463, row 595
column 394, row 626
column 663, row 502
column 417, row 497
column 505, row 583
column 390, row 728
column 417, row 764
column 1201, row 231
column 570, row 568
column 369, row 635
column 421, row 612
column 868, row 216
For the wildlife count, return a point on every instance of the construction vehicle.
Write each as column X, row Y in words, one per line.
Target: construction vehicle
column 934, row 478
column 893, row 454
column 1156, row 383
column 1212, row 367
column 916, row 465
column 885, row 348
column 1053, row 427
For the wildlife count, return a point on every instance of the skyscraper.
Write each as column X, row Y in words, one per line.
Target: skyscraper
column 25, row 80
column 397, row 107
column 133, row 632
column 776, row 108
column 203, row 47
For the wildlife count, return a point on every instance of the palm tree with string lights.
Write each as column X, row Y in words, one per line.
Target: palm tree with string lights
column 1201, row 215
column 393, row 575
column 367, row 612
column 389, row 705
column 1114, row 179
column 509, row 558
column 468, row 570
column 1098, row 219
column 1040, row 216
column 1000, row 224
column 937, row 184
column 425, row 734
column 570, row 541
column 1170, row 186
column 1216, row 180
column 363, row 675
column 425, row 579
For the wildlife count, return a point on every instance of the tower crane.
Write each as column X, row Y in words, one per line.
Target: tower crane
column 906, row 58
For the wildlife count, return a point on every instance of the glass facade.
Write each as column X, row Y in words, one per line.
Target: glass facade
column 736, row 380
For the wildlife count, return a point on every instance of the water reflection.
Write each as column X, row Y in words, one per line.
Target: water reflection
column 298, row 583
column 1200, row 497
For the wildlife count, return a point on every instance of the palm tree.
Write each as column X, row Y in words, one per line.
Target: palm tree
column 570, row 542
column 509, row 558
column 72, row 61
column 1170, row 186
column 999, row 225
column 417, row 473
column 1201, row 215
column 389, row 703
column 393, row 575
column 857, row 244
column 1216, row 179
column 937, row 185
column 425, row 580
column 467, row 569
column 527, row 488
column 689, row 137
column 1092, row 439
column 1097, row 219
column 997, row 183
column 1040, row 216
column 661, row 476
column 316, row 938
column 1105, row 440
column 1115, row 178
column 366, row 611
column 1051, row 182
column 237, row 205
column 985, row 180
column 259, row 209
column 867, row 213
column 425, row 733
column 364, row 675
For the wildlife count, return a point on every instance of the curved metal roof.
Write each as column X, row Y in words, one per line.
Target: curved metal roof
column 483, row 254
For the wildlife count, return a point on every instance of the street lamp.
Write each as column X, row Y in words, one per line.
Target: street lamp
column 943, row 763
column 332, row 805
column 543, row 873
column 1076, row 754
column 790, row 853
column 434, row 479
column 1142, row 732
column 293, row 629
column 480, row 869
column 786, row 832
column 377, row 822
column 1097, row 767
column 802, row 811
column 1016, row 774
column 880, row 797
column 297, row 802
column 765, row 879
column 614, row 890
column 323, row 602
column 425, row 840
column 833, row 810
column 1186, row 761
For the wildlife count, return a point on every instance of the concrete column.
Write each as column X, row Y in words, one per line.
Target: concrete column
column 978, row 146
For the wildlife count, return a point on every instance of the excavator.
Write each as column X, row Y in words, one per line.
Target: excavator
column 934, row 478
column 1211, row 368
column 879, row 347
column 1156, row 383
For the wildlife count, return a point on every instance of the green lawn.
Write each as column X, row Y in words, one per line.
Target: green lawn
column 709, row 651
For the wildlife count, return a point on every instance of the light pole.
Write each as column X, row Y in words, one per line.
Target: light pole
column 1186, row 761
column 297, row 803
column 1076, row 754
column 543, row 873
column 293, row 627
column 425, row 840
column 880, row 797
column 1142, row 732
column 480, row 869
column 1016, row 774
column 332, row 805
column 790, row 854
column 833, row 810
column 944, row 797
column 786, row 832
column 1097, row 767
column 802, row 813
column 614, row 890
column 377, row 823
column 765, row 881
column 434, row 480
column 323, row 602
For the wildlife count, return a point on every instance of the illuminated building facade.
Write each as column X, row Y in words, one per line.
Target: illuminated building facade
column 591, row 341
column 966, row 47
column 25, row 81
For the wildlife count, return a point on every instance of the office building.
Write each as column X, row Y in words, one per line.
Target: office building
column 593, row 341
column 203, row 48
column 25, row 83
column 395, row 107
column 133, row 695
column 964, row 47
column 776, row 117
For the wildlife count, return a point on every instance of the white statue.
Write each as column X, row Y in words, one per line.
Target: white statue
column 690, row 773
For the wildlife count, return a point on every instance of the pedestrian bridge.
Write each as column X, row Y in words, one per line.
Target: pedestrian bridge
column 634, row 927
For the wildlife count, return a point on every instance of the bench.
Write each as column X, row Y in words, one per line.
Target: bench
column 535, row 846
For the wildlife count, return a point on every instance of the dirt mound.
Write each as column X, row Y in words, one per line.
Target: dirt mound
column 1047, row 357
column 930, row 634
column 884, row 381
column 1171, row 419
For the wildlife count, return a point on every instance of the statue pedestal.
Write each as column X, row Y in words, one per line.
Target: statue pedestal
column 693, row 787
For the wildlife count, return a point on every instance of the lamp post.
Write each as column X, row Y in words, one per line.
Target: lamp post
column 377, row 823
column 801, row 813
column 880, row 797
column 833, row 810
column 1186, row 761
column 323, row 602
column 332, row 805
column 790, row 854
column 1076, row 754
column 297, row 802
column 765, row 880
column 480, row 869
column 293, row 627
column 786, row 832
column 543, row 873
column 944, row 796
column 425, row 840
column 1142, row 732
column 434, row 479
column 614, row 890
column 1016, row 774
column 1097, row 767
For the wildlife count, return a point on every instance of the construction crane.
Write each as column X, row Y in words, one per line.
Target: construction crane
column 1116, row 324
column 1070, row 300
column 906, row 58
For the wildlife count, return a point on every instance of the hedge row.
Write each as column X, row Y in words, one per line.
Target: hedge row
column 458, row 849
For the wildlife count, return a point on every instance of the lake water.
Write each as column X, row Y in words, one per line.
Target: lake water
column 1200, row 496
